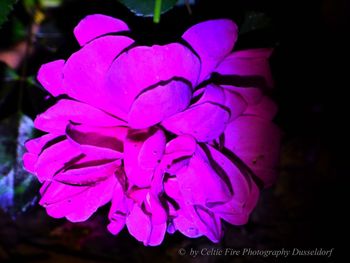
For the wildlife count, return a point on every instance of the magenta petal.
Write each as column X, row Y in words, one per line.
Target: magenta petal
column 211, row 93
column 29, row 161
column 88, row 175
column 50, row 75
column 200, row 184
column 212, row 40
column 239, row 182
column 116, row 226
column 101, row 142
column 93, row 26
column 251, row 62
column 183, row 144
column 141, row 67
column 159, row 103
column 256, row 141
column 157, row 234
column 76, row 203
column 204, row 122
column 139, row 224
column 235, row 103
column 36, row 145
column 183, row 220
column 55, row 158
column 152, row 150
column 56, row 118
column 119, row 210
column 250, row 95
column 142, row 151
column 266, row 109
column 186, row 226
column 85, row 72
column 212, row 223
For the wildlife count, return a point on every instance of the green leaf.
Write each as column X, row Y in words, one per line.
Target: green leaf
column 254, row 21
column 16, row 185
column 6, row 7
column 146, row 7
column 50, row 3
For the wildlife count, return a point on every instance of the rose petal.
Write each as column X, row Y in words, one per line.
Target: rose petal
column 141, row 155
column 101, row 142
column 85, row 72
column 141, row 231
column 212, row 223
column 251, row 95
column 36, row 145
column 56, row 118
column 159, row 103
column 55, row 158
column 96, row 25
column 118, row 211
column 266, row 109
column 87, row 175
column 248, row 63
column 152, row 150
column 141, row 67
column 204, row 122
column 200, row 184
column 76, row 203
column 50, row 76
column 212, row 40
column 256, row 141
column 235, row 103
column 29, row 161
column 157, row 234
column 212, row 93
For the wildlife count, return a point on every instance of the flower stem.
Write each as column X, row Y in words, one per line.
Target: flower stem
column 157, row 11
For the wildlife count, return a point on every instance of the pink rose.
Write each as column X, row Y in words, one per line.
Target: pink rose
column 151, row 130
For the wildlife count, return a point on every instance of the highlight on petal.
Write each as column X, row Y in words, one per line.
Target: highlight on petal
column 204, row 122
column 212, row 40
column 50, row 75
column 96, row 25
column 142, row 67
column 159, row 102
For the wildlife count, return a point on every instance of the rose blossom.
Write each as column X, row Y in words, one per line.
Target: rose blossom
column 156, row 130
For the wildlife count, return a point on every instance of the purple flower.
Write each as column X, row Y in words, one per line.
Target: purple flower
column 177, row 137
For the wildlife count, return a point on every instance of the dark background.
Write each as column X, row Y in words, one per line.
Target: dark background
column 305, row 209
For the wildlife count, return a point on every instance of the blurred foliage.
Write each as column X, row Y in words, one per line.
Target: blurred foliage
column 16, row 184
column 6, row 7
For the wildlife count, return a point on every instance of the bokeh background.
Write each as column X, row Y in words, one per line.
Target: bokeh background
column 307, row 206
